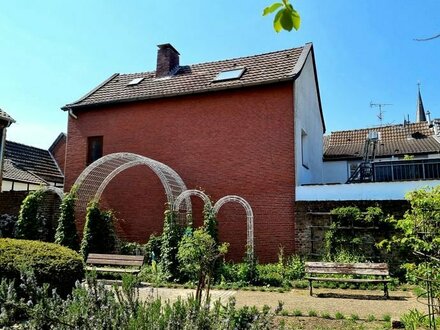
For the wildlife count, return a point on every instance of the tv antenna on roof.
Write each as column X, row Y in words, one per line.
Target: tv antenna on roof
column 381, row 111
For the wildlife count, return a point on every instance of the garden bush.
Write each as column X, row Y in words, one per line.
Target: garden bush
column 7, row 225
column 58, row 266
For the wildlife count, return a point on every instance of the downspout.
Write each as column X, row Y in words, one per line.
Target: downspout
column 71, row 114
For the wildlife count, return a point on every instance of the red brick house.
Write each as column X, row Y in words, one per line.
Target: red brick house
column 249, row 126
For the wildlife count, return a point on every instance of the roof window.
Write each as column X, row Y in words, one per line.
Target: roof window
column 135, row 81
column 230, row 74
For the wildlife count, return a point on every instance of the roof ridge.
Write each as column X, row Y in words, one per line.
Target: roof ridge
column 381, row 127
column 92, row 91
column 220, row 61
column 27, row 145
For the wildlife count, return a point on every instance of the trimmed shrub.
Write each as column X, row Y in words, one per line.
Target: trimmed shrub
column 66, row 233
column 99, row 234
column 56, row 265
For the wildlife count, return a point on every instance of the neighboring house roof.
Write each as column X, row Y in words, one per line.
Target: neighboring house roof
column 394, row 140
column 6, row 117
column 36, row 161
column 60, row 137
column 260, row 69
column 13, row 173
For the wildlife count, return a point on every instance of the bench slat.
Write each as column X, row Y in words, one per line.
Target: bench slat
column 115, row 256
column 113, row 270
column 378, row 269
column 114, row 262
column 352, row 280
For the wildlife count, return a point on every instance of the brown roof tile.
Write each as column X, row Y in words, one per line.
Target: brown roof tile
column 37, row 161
column 13, row 173
column 198, row 78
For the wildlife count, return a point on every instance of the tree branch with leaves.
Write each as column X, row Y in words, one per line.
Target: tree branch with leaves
column 286, row 17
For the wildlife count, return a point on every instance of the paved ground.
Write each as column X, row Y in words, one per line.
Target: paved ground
column 360, row 302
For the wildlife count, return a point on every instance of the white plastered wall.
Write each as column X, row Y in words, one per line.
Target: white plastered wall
column 308, row 127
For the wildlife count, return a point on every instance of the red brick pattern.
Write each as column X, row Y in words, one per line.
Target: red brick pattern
column 231, row 142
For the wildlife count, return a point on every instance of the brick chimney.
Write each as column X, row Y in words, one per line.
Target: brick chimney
column 167, row 60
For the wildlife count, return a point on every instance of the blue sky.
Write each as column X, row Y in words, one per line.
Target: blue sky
column 52, row 52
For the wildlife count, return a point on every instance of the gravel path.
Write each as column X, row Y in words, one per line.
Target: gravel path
column 347, row 302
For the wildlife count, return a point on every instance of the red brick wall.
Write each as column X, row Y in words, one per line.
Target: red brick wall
column 59, row 153
column 231, row 142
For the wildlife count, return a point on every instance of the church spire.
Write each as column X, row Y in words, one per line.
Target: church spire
column 420, row 114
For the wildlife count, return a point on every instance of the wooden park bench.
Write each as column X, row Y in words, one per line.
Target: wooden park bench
column 368, row 269
column 114, row 263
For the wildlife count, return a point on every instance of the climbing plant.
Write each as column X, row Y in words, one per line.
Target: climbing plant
column 171, row 235
column 353, row 233
column 99, row 233
column 31, row 223
column 66, row 233
column 210, row 221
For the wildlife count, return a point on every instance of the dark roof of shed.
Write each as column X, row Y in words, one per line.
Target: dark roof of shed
column 37, row 161
column 197, row 78
column 395, row 140
column 13, row 173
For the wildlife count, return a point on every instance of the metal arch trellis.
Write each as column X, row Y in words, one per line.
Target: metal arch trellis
column 188, row 193
column 249, row 216
column 93, row 180
column 55, row 190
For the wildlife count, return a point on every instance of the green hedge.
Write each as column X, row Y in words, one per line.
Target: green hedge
column 56, row 265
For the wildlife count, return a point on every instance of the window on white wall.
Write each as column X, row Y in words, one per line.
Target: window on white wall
column 304, row 149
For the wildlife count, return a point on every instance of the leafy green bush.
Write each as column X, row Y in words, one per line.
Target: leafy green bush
column 7, row 225
column 99, row 233
column 66, row 233
column 58, row 266
column 270, row 274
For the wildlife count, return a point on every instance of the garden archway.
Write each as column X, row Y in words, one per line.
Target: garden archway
column 93, row 180
column 55, row 190
column 188, row 193
column 249, row 216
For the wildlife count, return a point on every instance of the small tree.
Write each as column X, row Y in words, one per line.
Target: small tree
column 31, row 224
column 197, row 254
column 99, row 235
column 66, row 233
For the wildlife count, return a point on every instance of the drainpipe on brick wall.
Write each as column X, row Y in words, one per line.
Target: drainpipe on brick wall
column 71, row 114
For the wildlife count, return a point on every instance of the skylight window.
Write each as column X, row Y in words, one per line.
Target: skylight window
column 230, row 74
column 135, row 81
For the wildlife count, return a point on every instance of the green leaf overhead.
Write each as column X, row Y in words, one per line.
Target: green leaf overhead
column 277, row 22
column 270, row 9
column 286, row 18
